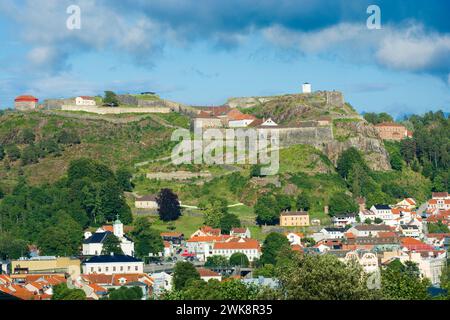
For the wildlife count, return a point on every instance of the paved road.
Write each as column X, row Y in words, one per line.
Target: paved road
column 151, row 268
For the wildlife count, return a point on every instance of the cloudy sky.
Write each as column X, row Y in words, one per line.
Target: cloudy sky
column 203, row 51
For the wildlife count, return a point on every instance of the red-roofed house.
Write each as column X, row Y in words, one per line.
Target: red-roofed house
column 206, row 275
column 206, row 231
column 415, row 245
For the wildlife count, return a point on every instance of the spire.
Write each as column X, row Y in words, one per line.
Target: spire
column 117, row 220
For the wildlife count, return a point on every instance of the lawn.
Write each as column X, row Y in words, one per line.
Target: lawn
column 185, row 224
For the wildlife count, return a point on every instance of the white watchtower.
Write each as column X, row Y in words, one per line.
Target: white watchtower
column 307, row 88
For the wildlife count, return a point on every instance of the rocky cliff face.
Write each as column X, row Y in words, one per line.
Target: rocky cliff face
column 363, row 137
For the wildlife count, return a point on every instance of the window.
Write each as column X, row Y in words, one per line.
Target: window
column 136, row 268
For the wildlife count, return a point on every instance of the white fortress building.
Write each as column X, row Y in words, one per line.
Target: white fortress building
column 306, row 88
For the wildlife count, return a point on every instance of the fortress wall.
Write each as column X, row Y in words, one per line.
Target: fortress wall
column 108, row 110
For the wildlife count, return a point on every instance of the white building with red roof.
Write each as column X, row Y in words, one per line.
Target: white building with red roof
column 440, row 201
column 26, row 103
column 85, row 101
column 250, row 247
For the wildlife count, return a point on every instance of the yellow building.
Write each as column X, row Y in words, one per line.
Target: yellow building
column 294, row 219
column 45, row 265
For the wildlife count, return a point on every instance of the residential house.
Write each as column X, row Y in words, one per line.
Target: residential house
column 367, row 260
column 294, row 238
column 241, row 232
column 365, row 215
column 100, row 282
column 147, row 202
column 440, row 202
column 113, row 264
column 175, row 238
column 333, row 233
column 206, row 274
column 407, row 203
column 383, row 212
column 206, row 231
column 294, row 219
column 237, row 119
column 411, row 231
column 93, row 243
column 343, row 220
column 369, row 230
column 206, row 120
column 162, row 281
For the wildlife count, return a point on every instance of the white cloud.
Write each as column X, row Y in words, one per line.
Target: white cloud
column 408, row 48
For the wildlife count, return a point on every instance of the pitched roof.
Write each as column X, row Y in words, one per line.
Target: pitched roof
column 382, row 207
column 234, row 245
column 149, row 197
column 207, row 239
column 172, row 234
column 389, row 124
column 294, row 213
column 26, row 98
column 239, row 230
column 207, row 273
column 440, row 194
column 372, row 227
column 97, row 237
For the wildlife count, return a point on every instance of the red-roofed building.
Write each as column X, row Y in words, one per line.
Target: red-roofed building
column 26, row 103
column 249, row 247
column 415, row 245
column 206, row 274
column 85, row 101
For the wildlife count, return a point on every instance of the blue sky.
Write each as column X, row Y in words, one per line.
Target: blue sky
column 202, row 52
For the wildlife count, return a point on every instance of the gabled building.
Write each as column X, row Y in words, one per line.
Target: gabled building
column 240, row 232
column 85, row 101
column 343, row 220
column 250, row 247
column 383, row 212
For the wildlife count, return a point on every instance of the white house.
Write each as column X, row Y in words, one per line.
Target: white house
column 206, row 275
column 241, row 232
column 366, row 214
column 411, row 231
column 383, row 212
column 161, row 282
column 93, row 243
column 333, row 233
column 146, row 202
column 407, row 203
column 369, row 230
column 306, row 88
column 113, row 264
column 440, row 201
column 85, row 101
column 294, row 238
column 367, row 260
column 343, row 220
column 202, row 246
column 241, row 121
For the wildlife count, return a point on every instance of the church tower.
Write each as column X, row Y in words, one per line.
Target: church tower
column 118, row 228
